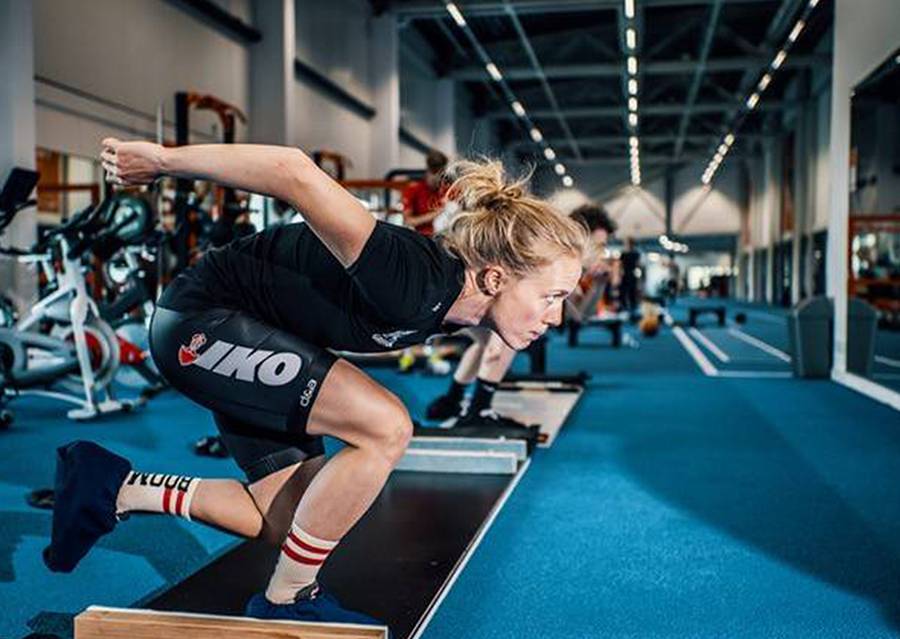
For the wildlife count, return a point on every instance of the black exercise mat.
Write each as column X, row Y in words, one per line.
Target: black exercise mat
column 392, row 565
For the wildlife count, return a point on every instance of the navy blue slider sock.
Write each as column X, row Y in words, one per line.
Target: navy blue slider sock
column 88, row 478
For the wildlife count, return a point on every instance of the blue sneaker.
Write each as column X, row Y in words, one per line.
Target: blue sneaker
column 312, row 604
column 88, row 478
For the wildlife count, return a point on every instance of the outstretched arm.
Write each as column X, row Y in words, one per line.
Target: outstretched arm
column 286, row 173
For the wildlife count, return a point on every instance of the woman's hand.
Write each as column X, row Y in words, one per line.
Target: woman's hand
column 131, row 163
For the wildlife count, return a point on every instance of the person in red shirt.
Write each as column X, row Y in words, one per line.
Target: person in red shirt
column 423, row 199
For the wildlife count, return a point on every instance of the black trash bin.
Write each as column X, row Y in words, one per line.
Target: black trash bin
column 809, row 333
column 862, row 324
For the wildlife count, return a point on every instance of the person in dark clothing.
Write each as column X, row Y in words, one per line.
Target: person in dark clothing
column 247, row 333
column 628, row 288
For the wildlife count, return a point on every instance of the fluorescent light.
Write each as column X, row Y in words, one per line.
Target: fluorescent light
column 629, row 9
column 813, row 3
column 630, row 38
column 779, row 59
column 560, row 169
column 729, row 139
column 494, row 71
column 632, row 86
column 752, row 100
column 723, row 149
column 632, row 119
column 518, row 109
column 795, row 33
column 633, row 141
column 632, row 65
column 567, row 181
column 536, row 135
column 550, row 154
column 706, row 179
column 764, row 82
column 717, row 158
column 457, row 15
column 632, row 104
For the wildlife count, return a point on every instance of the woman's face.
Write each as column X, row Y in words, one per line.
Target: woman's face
column 525, row 307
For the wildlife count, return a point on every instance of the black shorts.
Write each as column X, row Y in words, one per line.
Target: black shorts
column 260, row 382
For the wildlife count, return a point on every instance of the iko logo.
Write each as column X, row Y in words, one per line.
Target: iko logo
column 389, row 339
column 246, row 364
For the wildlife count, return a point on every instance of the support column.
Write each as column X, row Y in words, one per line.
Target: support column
column 17, row 135
column 812, row 152
column 385, row 80
column 801, row 202
column 751, row 275
column 744, row 238
column 771, row 214
column 445, row 117
column 272, row 74
column 670, row 201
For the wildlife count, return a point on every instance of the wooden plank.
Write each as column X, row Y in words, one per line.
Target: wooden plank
column 119, row 623
column 458, row 461
column 517, row 447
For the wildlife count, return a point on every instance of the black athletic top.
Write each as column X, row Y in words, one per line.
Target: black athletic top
column 396, row 293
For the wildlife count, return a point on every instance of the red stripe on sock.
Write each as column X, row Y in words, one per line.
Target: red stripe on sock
column 300, row 558
column 305, row 546
column 179, row 503
column 167, row 499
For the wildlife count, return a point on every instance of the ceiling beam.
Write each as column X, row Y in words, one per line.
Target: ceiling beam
column 652, row 67
column 599, row 141
column 647, row 109
column 622, row 159
column 536, row 65
column 708, row 37
column 415, row 9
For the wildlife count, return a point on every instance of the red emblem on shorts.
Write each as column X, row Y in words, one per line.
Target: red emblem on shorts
column 187, row 355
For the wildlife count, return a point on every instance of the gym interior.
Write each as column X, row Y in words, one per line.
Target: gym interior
column 704, row 443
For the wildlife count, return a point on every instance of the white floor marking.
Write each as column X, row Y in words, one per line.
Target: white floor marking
column 461, row 564
column 694, row 351
column 715, row 350
column 757, row 374
column 761, row 345
column 893, row 363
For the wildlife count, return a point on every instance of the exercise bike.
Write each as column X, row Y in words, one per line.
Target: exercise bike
column 130, row 249
column 62, row 349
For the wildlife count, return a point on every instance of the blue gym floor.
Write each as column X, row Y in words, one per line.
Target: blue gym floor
column 673, row 504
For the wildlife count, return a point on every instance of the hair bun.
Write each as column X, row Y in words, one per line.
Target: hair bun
column 483, row 186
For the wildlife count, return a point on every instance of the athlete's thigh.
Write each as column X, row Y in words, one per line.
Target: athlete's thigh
column 353, row 407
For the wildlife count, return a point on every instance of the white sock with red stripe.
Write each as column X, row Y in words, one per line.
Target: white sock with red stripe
column 298, row 564
column 155, row 493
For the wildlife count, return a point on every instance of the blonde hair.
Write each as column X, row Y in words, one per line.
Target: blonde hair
column 501, row 222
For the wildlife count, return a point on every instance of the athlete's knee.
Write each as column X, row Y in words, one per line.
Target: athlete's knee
column 479, row 335
column 394, row 430
column 494, row 350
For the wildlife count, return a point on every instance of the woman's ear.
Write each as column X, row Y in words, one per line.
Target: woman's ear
column 490, row 280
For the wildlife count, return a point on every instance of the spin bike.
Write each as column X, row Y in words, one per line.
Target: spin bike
column 62, row 349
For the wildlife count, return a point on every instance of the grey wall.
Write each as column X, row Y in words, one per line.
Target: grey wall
column 90, row 47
